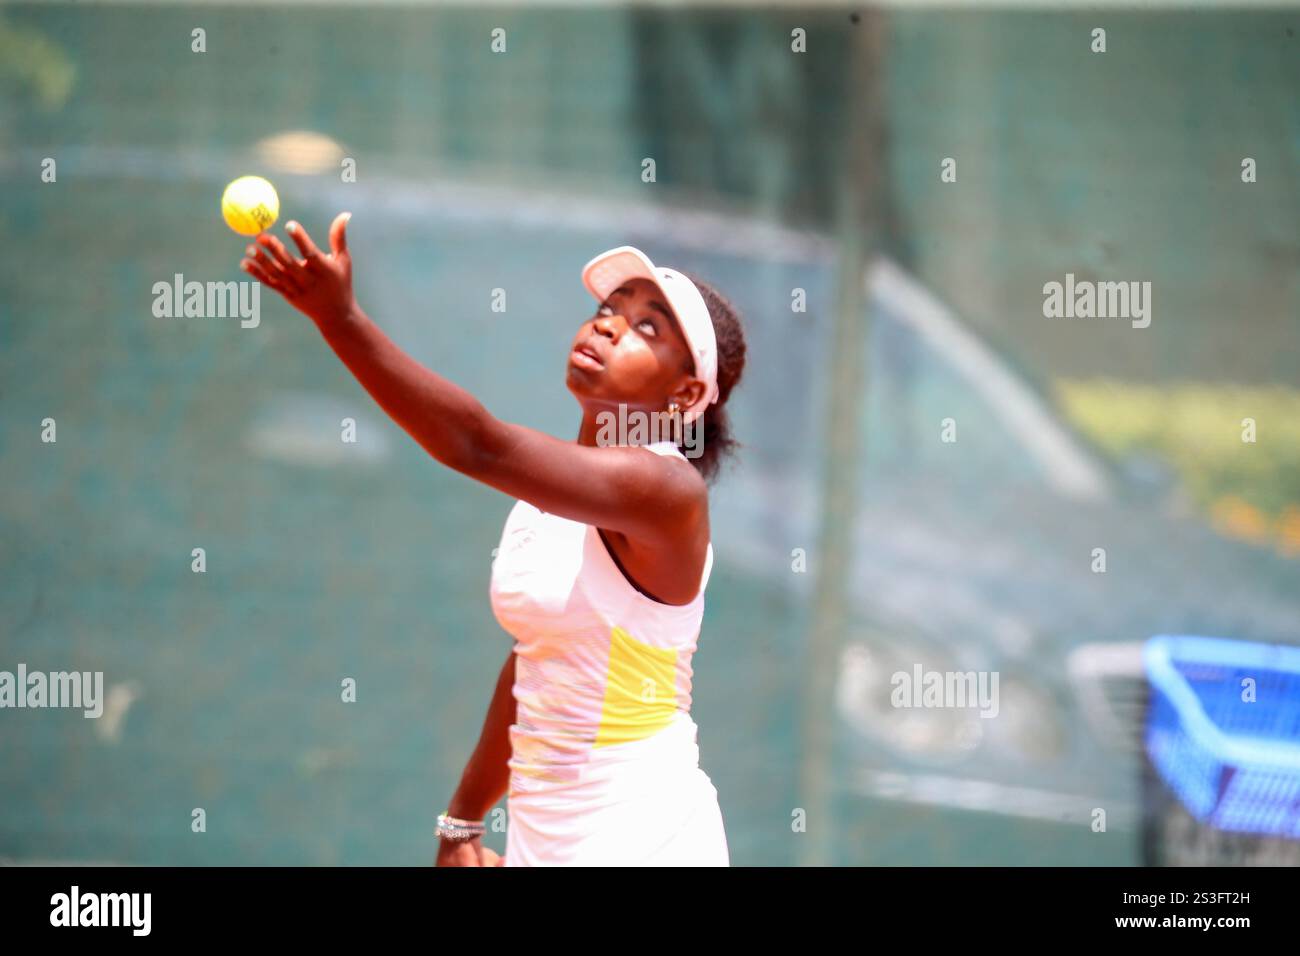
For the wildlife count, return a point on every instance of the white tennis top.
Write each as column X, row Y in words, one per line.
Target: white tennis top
column 604, row 766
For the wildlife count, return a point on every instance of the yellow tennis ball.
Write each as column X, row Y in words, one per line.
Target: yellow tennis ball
column 250, row 205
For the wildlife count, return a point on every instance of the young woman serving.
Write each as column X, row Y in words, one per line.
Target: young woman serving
column 602, row 565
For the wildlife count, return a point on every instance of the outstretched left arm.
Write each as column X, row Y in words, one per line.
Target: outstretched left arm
column 653, row 499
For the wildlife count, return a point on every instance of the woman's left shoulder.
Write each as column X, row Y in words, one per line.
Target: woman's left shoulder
column 687, row 472
column 665, row 448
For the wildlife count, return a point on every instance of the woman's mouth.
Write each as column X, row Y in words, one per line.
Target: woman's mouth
column 585, row 357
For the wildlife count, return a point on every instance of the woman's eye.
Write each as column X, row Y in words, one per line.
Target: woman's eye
column 605, row 310
column 648, row 325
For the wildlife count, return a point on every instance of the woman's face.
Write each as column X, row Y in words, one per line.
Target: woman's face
column 632, row 352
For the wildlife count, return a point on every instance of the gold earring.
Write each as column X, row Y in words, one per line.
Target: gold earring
column 673, row 408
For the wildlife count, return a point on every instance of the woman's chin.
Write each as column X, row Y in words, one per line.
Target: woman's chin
column 580, row 381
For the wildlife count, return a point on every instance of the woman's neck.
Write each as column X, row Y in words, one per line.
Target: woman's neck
column 623, row 425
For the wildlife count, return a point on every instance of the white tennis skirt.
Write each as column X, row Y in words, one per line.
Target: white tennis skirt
column 644, row 803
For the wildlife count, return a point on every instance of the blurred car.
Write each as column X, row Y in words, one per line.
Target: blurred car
column 984, row 553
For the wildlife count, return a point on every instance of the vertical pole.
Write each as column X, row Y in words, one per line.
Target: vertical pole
column 857, row 225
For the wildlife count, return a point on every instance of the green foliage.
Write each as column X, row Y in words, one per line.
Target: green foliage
column 1200, row 429
column 32, row 64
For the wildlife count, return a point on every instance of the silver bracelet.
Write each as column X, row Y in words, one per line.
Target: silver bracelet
column 457, row 830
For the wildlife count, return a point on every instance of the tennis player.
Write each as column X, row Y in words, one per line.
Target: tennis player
column 602, row 565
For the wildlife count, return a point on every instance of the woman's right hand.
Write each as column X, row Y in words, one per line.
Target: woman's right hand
column 467, row 853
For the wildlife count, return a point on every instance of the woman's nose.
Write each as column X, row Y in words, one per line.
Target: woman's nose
column 610, row 325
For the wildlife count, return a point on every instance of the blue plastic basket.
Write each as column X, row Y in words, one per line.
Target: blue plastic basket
column 1234, row 763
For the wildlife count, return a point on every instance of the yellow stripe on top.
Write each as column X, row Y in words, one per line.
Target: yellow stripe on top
column 640, row 690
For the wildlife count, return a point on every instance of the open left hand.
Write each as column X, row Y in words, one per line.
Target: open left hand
column 318, row 285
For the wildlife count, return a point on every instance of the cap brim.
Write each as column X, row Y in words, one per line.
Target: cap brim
column 609, row 270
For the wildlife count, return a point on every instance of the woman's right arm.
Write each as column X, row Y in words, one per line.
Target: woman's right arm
column 486, row 777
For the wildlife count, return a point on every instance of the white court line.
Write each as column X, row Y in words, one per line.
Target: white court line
column 985, row 796
column 445, row 196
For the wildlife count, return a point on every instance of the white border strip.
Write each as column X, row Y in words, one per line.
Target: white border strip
column 793, row 6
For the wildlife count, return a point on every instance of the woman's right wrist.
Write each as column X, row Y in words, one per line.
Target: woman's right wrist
column 465, row 806
column 453, row 829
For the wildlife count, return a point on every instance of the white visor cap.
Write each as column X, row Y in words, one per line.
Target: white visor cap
column 609, row 270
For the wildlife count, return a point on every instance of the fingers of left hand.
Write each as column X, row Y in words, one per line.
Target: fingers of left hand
column 261, row 258
column 279, row 263
column 263, row 275
column 311, row 255
column 277, row 251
